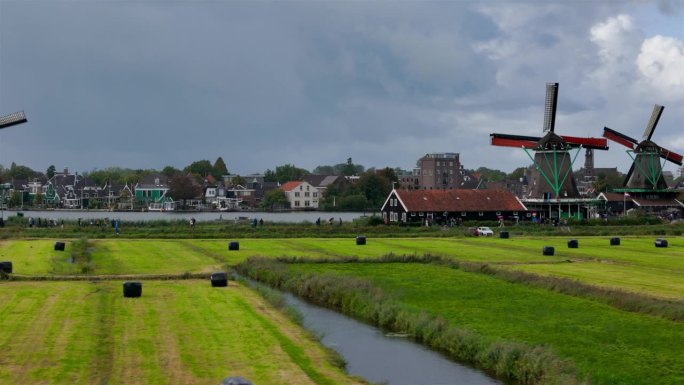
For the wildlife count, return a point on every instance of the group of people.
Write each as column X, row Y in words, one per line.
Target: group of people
column 330, row 221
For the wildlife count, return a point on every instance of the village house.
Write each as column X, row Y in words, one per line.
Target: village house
column 447, row 206
column 301, row 195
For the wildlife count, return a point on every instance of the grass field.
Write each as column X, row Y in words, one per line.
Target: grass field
column 609, row 346
column 636, row 265
column 178, row 332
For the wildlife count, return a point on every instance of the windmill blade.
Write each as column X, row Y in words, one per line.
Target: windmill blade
column 629, row 173
column 620, row 138
column 550, row 106
column 653, row 122
column 671, row 156
column 518, row 141
column 12, row 119
column 593, row 143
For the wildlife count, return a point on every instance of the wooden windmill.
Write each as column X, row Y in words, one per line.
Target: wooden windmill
column 646, row 172
column 552, row 174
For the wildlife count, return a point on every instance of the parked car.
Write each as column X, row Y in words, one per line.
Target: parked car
column 485, row 231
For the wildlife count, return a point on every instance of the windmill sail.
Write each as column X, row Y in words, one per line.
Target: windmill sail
column 550, row 107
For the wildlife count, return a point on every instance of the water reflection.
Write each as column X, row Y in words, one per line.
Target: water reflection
column 380, row 358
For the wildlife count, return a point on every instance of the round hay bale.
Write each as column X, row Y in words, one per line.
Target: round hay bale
column 6, row 267
column 360, row 240
column 234, row 246
column 132, row 289
column 615, row 241
column 59, row 246
column 219, row 279
column 235, row 381
column 504, row 234
column 548, row 250
column 573, row 244
column 660, row 242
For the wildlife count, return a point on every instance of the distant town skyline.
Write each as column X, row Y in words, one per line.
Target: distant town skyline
column 142, row 84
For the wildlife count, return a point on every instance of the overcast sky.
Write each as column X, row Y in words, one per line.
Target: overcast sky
column 146, row 84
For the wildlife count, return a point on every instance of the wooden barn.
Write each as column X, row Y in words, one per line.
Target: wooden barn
column 445, row 206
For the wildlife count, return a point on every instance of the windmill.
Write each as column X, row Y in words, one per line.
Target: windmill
column 552, row 173
column 646, row 172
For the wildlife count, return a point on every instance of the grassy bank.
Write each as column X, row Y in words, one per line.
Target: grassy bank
column 178, row 332
column 607, row 345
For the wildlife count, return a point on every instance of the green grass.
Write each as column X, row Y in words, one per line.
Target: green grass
column 178, row 332
column 636, row 265
column 608, row 345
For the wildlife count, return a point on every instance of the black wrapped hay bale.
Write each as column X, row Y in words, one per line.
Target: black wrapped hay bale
column 6, row 267
column 132, row 289
column 360, row 240
column 548, row 250
column 573, row 244
column 59, row 246
column 234, row 246
column 503, row 234
column 235, row 381
column 615, row 241
column 219, row 279
column 660, row 242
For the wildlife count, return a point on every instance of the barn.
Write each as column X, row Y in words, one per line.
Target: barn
column 446, row 206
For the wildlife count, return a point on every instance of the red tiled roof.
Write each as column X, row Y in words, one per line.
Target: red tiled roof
column 289, row 186
column 459, row 200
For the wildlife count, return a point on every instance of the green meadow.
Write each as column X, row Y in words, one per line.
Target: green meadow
column 636, row 265
column 88, row 331
column 178, row 332
column 609, row 346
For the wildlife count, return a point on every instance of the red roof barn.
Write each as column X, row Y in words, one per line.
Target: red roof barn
column 442, row 206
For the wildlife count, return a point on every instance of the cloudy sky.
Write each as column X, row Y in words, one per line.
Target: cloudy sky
column 146, row 84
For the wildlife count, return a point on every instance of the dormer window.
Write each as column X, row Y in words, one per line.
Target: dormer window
column 156, row 181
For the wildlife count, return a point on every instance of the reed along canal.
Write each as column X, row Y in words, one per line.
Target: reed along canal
column 384, row 358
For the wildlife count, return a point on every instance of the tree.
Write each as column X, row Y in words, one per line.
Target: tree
column 348, row 168
column 517, row 173
column 238, row 180
column 170, row 171
column 275, row 199
column 50, row 172
column 324, row 170
column 20, row 172
column 38, row 199
column 356, row 202
column 607, row 181
column 285, row 173
column 220, row 168
column 201, row 168
column 491, row 175
column 374, row 187
column 15, row 199
column 183, row 187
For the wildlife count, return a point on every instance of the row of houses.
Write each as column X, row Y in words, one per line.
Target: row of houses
column 73, row 191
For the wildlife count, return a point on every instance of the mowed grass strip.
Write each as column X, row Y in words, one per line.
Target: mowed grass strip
column 636, row 265
column 178, row 332
column 610, row 346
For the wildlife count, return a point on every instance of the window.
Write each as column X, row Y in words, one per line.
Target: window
column 296, row 194
column 307, row 188
column 306, row 194
column 315, row 195
column 422, row 214
column 498, row 213
column 306, row 203
column 463, row 213
column 403, row 217
column 480, row 213
column 296, row 203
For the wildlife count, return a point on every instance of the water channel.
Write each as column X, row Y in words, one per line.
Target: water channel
column 381, row 358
